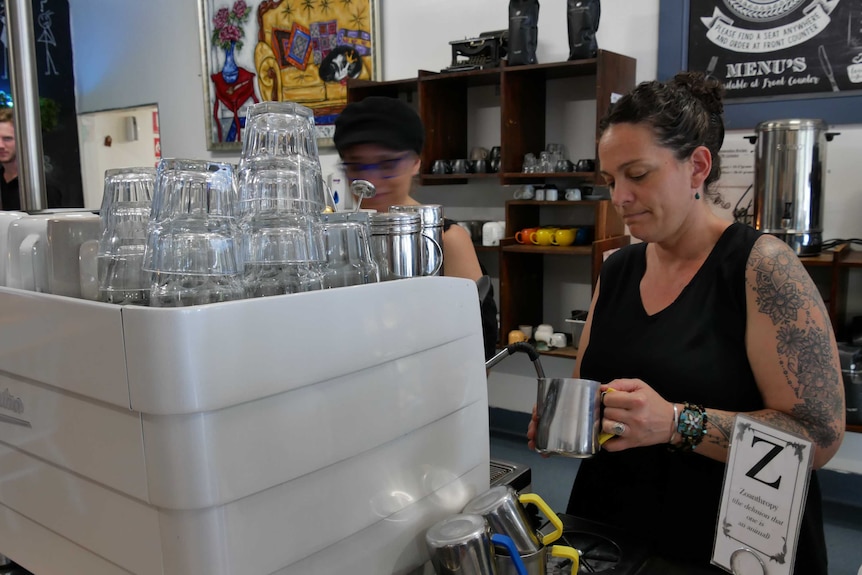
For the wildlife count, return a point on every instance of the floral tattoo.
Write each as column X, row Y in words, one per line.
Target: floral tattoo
column 786, row 294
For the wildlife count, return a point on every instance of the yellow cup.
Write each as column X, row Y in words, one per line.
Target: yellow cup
column 516, row 336
column 564, row 236
column 542, row 236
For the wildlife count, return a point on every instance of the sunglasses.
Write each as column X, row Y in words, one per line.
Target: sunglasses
column 386, row 169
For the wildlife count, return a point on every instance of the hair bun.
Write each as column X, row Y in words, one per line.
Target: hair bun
column 707, row 89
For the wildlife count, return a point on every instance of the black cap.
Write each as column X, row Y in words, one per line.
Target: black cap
column 388, row 122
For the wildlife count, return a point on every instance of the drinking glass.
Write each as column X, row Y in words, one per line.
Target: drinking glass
column 125, row 211
column 279, row 130
column 348, row 253
column 284, row 185
column 193, row 234
column 282, row 254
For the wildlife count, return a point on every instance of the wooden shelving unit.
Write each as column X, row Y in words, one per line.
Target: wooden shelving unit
column 442, row 101
column 830, row 271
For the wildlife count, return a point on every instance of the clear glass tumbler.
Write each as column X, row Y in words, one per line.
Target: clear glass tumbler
column 124, row 214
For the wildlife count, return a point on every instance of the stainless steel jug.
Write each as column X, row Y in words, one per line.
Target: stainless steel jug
column 463, row 545
column 789, row 169
column 569, row 412
column 432, row 227
column 397, row 245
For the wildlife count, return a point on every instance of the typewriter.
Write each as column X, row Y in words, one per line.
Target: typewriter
column 485, row 51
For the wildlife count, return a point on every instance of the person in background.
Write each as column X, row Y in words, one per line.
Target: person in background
column 10, row 198
column 380, row 139
column 703, row 320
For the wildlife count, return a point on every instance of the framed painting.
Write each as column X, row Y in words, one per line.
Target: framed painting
column 776, row 58
column 301, row 51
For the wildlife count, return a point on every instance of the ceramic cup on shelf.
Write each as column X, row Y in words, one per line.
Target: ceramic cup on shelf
column 543, row 333
column 526, row 192
column 542, row 236
column 573, row 194
column 558, row 339
column 523, row 236
column 492, row 233
column 564, row 236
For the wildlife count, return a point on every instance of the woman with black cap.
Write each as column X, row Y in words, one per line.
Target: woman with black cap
column 379, row 139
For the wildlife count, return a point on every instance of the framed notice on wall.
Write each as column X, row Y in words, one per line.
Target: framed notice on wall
column 763, row 49
column 776, row 58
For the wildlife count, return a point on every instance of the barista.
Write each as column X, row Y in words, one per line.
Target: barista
column 379, row 139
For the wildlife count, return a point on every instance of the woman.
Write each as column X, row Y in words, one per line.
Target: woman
column 379, row 139
column 705, row 312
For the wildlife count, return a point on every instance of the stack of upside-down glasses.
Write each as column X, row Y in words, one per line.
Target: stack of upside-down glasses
column 215, row 233
column 125, row 211
column 193, row 235
column 281, row 200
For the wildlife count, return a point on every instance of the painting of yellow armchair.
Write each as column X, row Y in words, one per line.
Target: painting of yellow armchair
column 305, row 53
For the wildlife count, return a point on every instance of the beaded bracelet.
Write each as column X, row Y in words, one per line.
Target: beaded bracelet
column 692, row 427
column 674, row 425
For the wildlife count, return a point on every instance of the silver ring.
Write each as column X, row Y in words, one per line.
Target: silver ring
column 619, row 428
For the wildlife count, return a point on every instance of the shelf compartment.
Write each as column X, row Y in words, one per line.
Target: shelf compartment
column 523, row 178
column 453, row 179
column 550, row 250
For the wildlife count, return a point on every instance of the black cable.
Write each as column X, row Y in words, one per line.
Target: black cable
column 828, row 244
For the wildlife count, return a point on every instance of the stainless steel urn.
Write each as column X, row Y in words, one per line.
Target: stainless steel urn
column 789, row 172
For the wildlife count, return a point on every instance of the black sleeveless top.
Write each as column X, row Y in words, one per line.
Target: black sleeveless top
column 488, row 309
column 693, row 350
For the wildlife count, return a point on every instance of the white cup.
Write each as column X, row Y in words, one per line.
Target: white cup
column 551, row 194
column 573, row 194
column 525, row 193
column 540, row 194
column 492, row 233
column 527, row 329
column 544, row 333
column 558, row 339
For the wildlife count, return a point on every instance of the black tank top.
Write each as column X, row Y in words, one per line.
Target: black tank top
column 693, row 350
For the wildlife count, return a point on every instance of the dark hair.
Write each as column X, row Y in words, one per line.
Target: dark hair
column 685, row 112
column 6, row 115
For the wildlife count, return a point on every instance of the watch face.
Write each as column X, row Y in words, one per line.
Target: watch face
column 762, row 10
column 746, row 562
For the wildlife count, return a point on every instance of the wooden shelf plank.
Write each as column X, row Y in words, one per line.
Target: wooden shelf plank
column 590, row 203
column 521, row 177
column 569, row 352
column 855, row 428
column 550, row 250
column 851, row 259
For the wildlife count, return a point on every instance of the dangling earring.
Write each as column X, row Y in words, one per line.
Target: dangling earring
column 697, row 195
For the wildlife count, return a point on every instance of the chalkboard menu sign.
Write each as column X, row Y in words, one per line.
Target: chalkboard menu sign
column 766, row 48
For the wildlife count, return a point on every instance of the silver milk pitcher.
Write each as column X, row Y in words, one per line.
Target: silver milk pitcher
column 397, row 245
column 432, row 227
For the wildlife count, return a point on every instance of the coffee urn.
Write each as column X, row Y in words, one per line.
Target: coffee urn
column 789, row 171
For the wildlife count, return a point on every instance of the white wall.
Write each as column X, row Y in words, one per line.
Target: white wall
column 123, row 152
column 132, row 52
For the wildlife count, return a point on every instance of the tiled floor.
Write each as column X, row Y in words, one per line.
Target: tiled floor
column 552, row 479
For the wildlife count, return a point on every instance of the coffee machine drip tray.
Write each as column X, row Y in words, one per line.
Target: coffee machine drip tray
column 604, row 549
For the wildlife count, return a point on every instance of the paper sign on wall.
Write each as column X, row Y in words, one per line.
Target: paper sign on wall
column 765, row 484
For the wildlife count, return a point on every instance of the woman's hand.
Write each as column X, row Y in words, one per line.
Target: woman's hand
column 646, row 417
